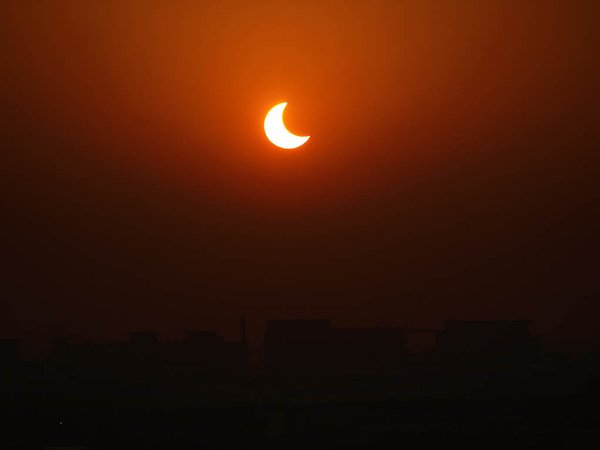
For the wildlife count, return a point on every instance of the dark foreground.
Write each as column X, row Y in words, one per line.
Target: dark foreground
column 483, row 385
column 496, row 423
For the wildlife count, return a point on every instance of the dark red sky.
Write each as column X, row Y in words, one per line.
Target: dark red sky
column 452, row 169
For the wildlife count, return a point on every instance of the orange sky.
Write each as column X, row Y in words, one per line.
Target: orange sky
column 425, row 117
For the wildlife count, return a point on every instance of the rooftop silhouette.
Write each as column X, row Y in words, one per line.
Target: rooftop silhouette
column 201, row 385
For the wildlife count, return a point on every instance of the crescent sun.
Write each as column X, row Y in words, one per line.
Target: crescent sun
column 276, row 131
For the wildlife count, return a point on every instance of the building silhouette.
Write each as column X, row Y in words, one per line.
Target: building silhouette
column 144, row 358
column 327, row 385
column 489, row 343
column 462, row 351
column 314, row 347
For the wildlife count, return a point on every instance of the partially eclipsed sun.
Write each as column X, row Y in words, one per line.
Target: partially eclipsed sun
column 277, row 132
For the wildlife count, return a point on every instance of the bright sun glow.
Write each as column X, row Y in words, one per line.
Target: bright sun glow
column 277, row 132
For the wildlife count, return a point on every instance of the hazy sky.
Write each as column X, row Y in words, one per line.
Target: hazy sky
column 452, row 169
